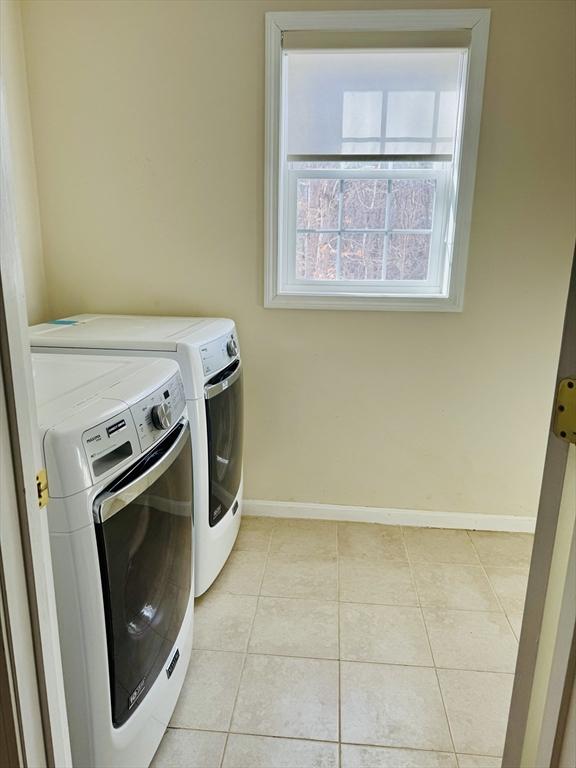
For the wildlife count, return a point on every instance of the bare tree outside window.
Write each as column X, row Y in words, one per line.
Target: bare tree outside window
column 364, row 229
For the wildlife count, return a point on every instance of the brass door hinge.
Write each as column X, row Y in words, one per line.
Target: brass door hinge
column 565, row 411
column 42, row 488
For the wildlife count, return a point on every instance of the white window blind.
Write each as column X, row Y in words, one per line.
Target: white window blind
column 380, row 102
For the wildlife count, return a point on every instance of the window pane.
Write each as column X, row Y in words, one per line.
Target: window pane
column 407, row 257
column 361, row 257
column 316, row 256
column 364, row 204
column 412, row 204
column 317, row 203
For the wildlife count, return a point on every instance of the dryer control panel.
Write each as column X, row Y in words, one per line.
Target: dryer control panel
column 159, row 411
column 219, row 353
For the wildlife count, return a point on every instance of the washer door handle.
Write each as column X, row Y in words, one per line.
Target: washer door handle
column 109, row 503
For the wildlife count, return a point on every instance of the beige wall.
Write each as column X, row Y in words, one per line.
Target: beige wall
column 148, row 122
column 21, row 160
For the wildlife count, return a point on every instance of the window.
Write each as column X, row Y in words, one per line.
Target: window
column 372, row 131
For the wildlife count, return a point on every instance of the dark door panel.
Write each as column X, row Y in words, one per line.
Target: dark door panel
column 225, row 430
column 145, row 551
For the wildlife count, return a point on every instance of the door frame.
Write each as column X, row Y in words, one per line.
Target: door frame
column 561, row 674
column 28, row 616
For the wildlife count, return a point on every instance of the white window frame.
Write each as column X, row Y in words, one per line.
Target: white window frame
column 434, row 284
column 445, row 292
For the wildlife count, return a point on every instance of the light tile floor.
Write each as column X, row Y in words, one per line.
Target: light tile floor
column 350, row 645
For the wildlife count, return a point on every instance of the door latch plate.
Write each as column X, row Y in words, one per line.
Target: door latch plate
column 565, row 411
column 42, row 488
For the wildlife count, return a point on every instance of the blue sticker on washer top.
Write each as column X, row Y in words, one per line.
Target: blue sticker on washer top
column 62, row 322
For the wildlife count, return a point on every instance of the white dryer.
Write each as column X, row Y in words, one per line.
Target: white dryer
column 117, row 450
column 208, row 353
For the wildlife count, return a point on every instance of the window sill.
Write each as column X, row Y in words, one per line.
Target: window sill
column 365, row 303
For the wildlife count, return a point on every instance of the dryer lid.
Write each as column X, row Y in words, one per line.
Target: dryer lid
column 116, row 332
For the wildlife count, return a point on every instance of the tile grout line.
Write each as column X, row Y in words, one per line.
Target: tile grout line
column 332, row 743
column 485, row 572
column 358, row 661
column 479, row 565
column 466, row 610
column 367, row 602
column 413, row 577
column 246, row 650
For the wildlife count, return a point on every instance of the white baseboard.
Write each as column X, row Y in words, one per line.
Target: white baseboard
column 418, row 517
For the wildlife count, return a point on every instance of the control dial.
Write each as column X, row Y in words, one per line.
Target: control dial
column 161, row 416
column 232, row 347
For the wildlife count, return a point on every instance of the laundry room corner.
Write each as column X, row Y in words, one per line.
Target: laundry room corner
column 21, row 162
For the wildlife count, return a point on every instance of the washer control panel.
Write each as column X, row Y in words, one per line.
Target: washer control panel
column 219, row 353
column 110, row 444
column 159, row 411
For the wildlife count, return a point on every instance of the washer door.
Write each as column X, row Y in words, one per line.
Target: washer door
column 224, row 418
column 144, row 535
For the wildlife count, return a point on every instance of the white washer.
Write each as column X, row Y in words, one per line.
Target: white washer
column 208, row 354
column 117, row 450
